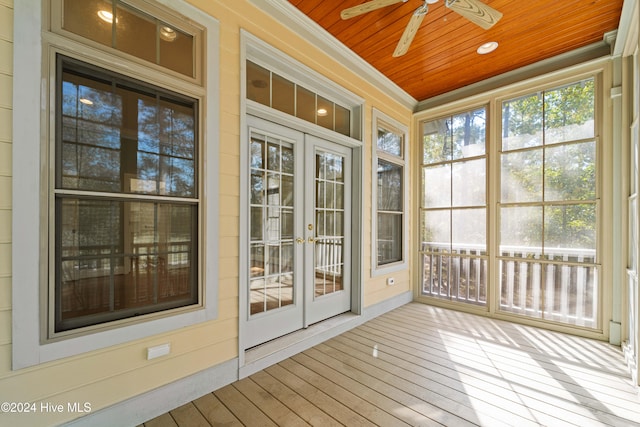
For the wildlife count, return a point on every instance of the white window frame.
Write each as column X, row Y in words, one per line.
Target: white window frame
column 33, row 49
column 380, row 119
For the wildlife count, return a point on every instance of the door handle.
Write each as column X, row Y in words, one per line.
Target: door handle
column 312, row 240
column 299, row 240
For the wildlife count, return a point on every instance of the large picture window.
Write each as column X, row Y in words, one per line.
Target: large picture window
column 126, row 198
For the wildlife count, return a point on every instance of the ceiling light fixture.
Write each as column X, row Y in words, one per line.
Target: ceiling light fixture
column 487, row 48
column 322, row 112
column 106, row 16
column 168, row 34
column 86, row 101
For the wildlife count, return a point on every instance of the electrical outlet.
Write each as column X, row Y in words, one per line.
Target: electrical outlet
column 158, row 351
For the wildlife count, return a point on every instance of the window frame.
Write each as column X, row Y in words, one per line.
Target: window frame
column 34, row 177
column 601, row 69
column 56, row 325
column 382, row 120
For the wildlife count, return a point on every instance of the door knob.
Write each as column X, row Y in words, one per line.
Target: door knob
column 299, row 240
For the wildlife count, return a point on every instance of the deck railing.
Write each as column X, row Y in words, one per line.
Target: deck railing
column 561, row 286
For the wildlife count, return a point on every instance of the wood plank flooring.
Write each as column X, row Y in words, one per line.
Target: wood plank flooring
column 425, row 366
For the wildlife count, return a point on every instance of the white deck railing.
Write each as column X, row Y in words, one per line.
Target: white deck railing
column 562, row 286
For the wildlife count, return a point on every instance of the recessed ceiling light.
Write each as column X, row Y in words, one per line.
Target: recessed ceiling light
column 106, row 16
column 322, row 112
column 86, row 101
column 167, row 34
column 259, row 84
column 487, row 48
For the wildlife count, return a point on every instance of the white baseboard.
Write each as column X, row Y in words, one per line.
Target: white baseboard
column 141, row 408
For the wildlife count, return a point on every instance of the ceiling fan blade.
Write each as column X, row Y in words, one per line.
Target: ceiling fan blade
column 476, row 12
column 411, row 30
column 367, row 7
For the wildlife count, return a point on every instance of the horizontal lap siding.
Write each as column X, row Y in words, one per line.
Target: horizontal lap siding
column 106, row 377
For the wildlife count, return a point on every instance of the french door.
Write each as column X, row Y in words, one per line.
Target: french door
column 299, row 245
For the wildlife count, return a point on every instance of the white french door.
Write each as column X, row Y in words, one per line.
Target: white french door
column 298, row 231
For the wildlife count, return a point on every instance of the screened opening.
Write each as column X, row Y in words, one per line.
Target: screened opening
column 453, row 208
column 549, row 205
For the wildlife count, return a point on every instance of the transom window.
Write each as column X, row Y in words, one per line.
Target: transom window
column 275, row 91
column 128, row 29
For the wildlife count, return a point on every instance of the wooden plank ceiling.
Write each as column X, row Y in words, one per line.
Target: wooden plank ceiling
column 443, row 54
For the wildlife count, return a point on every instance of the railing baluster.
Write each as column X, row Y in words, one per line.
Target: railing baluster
column 510, row 283
column 522, row 284
column 580, row 290
column 564, row 290
column 536, row 282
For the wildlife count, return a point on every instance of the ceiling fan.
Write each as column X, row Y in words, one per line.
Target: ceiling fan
column 474, row 10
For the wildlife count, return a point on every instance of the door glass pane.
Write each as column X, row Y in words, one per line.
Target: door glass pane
column 271, row 224
column 329, row 213
column 273, row 156
column 287, row 160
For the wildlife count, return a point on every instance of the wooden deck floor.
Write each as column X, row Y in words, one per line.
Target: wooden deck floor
column 421, row 365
